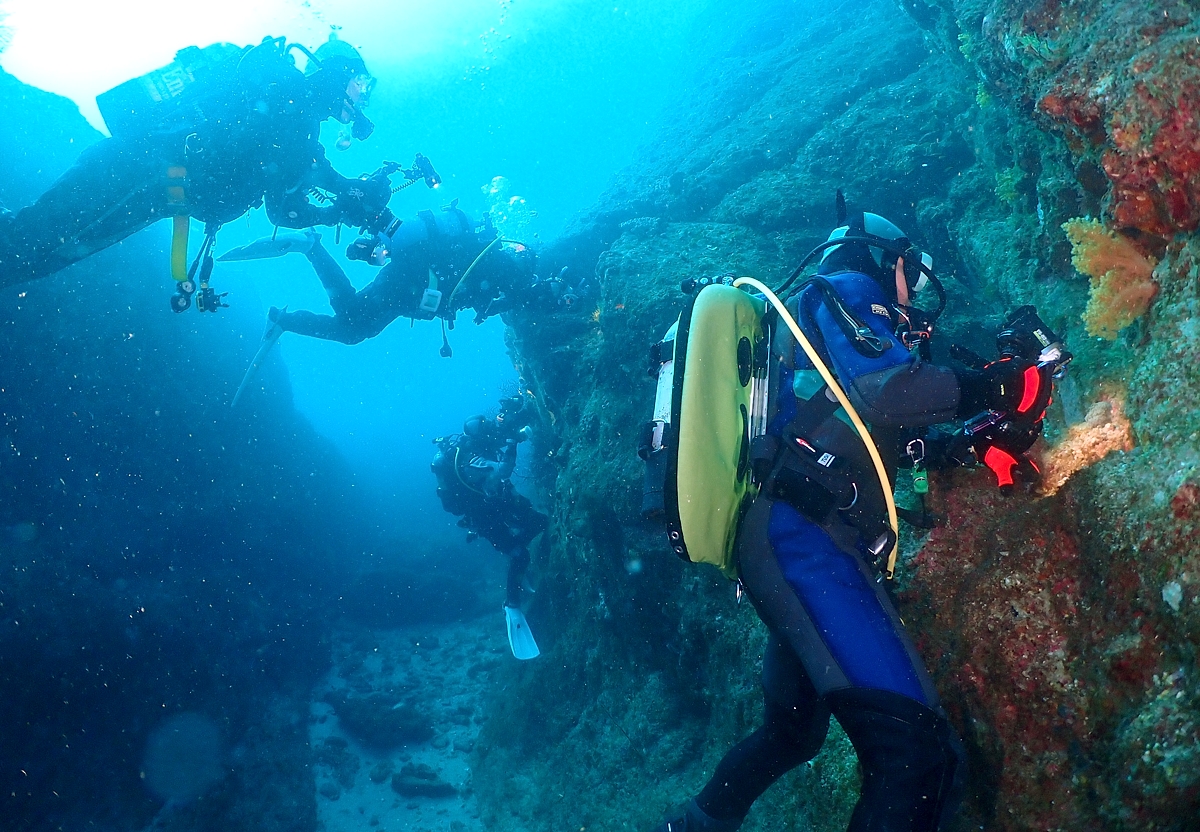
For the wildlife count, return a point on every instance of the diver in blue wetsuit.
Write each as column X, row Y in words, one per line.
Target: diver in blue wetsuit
column 809, row 546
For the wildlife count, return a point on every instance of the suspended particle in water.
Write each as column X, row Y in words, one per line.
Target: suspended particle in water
column 1172, row 594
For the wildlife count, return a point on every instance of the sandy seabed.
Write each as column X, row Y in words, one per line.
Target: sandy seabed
column 445, row 671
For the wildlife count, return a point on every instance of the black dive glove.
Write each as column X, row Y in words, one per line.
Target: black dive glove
column 362, row 202
column 1015, row 387
column 1002, row 444
column 1003, row 447
column 1009, row 398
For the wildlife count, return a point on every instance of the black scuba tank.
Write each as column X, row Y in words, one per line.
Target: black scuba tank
column 159, row 100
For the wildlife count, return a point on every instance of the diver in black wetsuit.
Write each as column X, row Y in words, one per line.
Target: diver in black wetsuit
column 474, row 471
column 244, row 133
column 436, row 265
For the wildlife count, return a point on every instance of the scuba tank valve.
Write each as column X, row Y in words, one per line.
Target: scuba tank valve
column 656, row 436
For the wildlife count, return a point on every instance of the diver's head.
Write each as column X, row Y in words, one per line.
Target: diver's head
column 479, row 430
column 876, row 247
column 340, row 84
column 510, row 405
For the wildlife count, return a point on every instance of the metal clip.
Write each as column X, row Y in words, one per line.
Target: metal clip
column 916, row 451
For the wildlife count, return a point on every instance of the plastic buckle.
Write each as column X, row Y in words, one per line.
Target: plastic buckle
column 430, row 301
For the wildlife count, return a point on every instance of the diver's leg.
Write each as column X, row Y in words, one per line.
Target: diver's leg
column 840, row 622
column 114, row 189
column 826, row 603
column 523, row 519
column 912, row 762
column 312, row 325
column 337, row 285
column 794, row 726
column 370, row 311
column 353, row 322
column 518, row 563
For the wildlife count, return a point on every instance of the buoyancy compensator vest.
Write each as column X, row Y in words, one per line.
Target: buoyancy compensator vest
column 441, row 240
column 710, row 406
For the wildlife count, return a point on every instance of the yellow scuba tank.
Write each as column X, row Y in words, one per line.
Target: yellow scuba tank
column 713, row 367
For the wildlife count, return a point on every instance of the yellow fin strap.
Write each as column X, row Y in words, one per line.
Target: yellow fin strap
column 786, row 317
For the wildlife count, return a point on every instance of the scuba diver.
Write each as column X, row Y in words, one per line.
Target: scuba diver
column 474, row 470
column 221, row 130
column 818, row 532
column 432, row 267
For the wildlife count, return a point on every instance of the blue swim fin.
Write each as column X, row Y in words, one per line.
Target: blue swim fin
column 520, row 639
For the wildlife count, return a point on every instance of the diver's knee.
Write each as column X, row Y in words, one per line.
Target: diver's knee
column 802, row 729
column 914, row 766
column 364, row 327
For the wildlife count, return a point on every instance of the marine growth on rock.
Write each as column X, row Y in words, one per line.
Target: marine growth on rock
column 1122, row 282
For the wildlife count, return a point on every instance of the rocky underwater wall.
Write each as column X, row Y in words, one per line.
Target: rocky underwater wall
column 1046, row 152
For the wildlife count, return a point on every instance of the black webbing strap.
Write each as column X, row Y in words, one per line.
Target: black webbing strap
column 812, row 412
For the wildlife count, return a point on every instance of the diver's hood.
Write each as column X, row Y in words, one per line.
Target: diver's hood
column 873, row 244
column 870, row 244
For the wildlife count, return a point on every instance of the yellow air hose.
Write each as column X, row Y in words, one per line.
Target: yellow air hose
column 474, row 263
column 787, row 318
column 471, row 268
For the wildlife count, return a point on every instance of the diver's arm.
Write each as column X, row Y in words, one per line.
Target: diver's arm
column 290, row 208
column 907, row 394
column 325, row 177
column 288, row 204
column 497, row 478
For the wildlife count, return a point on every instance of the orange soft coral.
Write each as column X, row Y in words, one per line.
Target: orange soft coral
column 1121, row 277
column 1104, row 430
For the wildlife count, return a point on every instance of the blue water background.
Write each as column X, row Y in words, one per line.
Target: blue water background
column 162, row 553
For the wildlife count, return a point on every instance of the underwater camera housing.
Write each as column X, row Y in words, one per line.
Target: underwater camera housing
column 1025, row 335
column 1022, row 335
column 423, row 169
column 364, row 202
column 1005, row 437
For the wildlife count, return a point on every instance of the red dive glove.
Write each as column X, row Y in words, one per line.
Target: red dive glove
column 1007, row 466
column 1001, row 445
